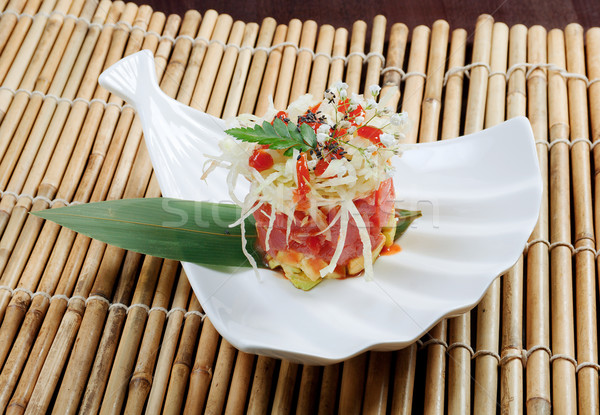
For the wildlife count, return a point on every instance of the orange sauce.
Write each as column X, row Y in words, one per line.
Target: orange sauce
column 391, row 250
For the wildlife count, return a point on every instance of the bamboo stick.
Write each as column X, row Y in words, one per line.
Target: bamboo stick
column 329, row 389
column 320, row 70
column 353, row 384
column 215, row 402
column 208, row 73
column 560, row 230
column 587, row 347
column 395, row 59
column 406, row 358
column 19, row 34
column 336, row 71
column 377, row 383
column 196, row 58
column 488, row 310
column 435, row 376
column 43, row 57
column 183, row 362
column 454, row 85
column 436, row 370
column 240, row 72
column 223, row 78
column 511, row 372
column 284, row 390
column 269, row 80
column 413, row 88
column 308, row 394
column 516, row 99
column 374, row 63
column 432, row 99
column 168, row 347
column 304, row 60
column 436, row 353
column 257, row 69
column 511, row 375
column 30, row 277
column 240, row 384
column 354, row 61
column 288, row 62
column 584, row 224
column 9, row 21
column 474, row 117
column 141, row 379
column 537, row 324
column 261, row 385
column 406, row 362
column 202, row 370
column 460, row 359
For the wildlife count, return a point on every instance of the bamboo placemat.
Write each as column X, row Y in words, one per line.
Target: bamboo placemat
column 88, row 328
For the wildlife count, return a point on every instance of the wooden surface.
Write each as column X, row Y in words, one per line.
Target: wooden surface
column 91, row 328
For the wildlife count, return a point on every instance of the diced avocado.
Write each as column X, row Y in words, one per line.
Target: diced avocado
column 389, row 231
column 356, row 265
column 298, row 278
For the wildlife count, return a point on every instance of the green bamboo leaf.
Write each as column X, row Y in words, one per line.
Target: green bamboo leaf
column 169, row 228
column 183, row 230
column 403, row 220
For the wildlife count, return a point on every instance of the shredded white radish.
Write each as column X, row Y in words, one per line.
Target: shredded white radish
column 340, row 243
column 364, row 238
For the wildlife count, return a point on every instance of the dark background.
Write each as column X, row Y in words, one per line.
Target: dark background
column 458, row 13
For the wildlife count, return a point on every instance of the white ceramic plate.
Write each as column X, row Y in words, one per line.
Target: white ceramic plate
column 479, row 194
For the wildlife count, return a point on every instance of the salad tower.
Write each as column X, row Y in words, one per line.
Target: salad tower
column 321, row 182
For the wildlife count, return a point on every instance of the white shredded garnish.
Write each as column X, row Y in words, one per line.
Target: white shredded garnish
column 365, row 239
column 272, row 217
column 340, row 243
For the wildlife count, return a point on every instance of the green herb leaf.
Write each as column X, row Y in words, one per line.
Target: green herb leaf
column 169, row 228
column 280, row 127
column 309, row 135
column 278, row 136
